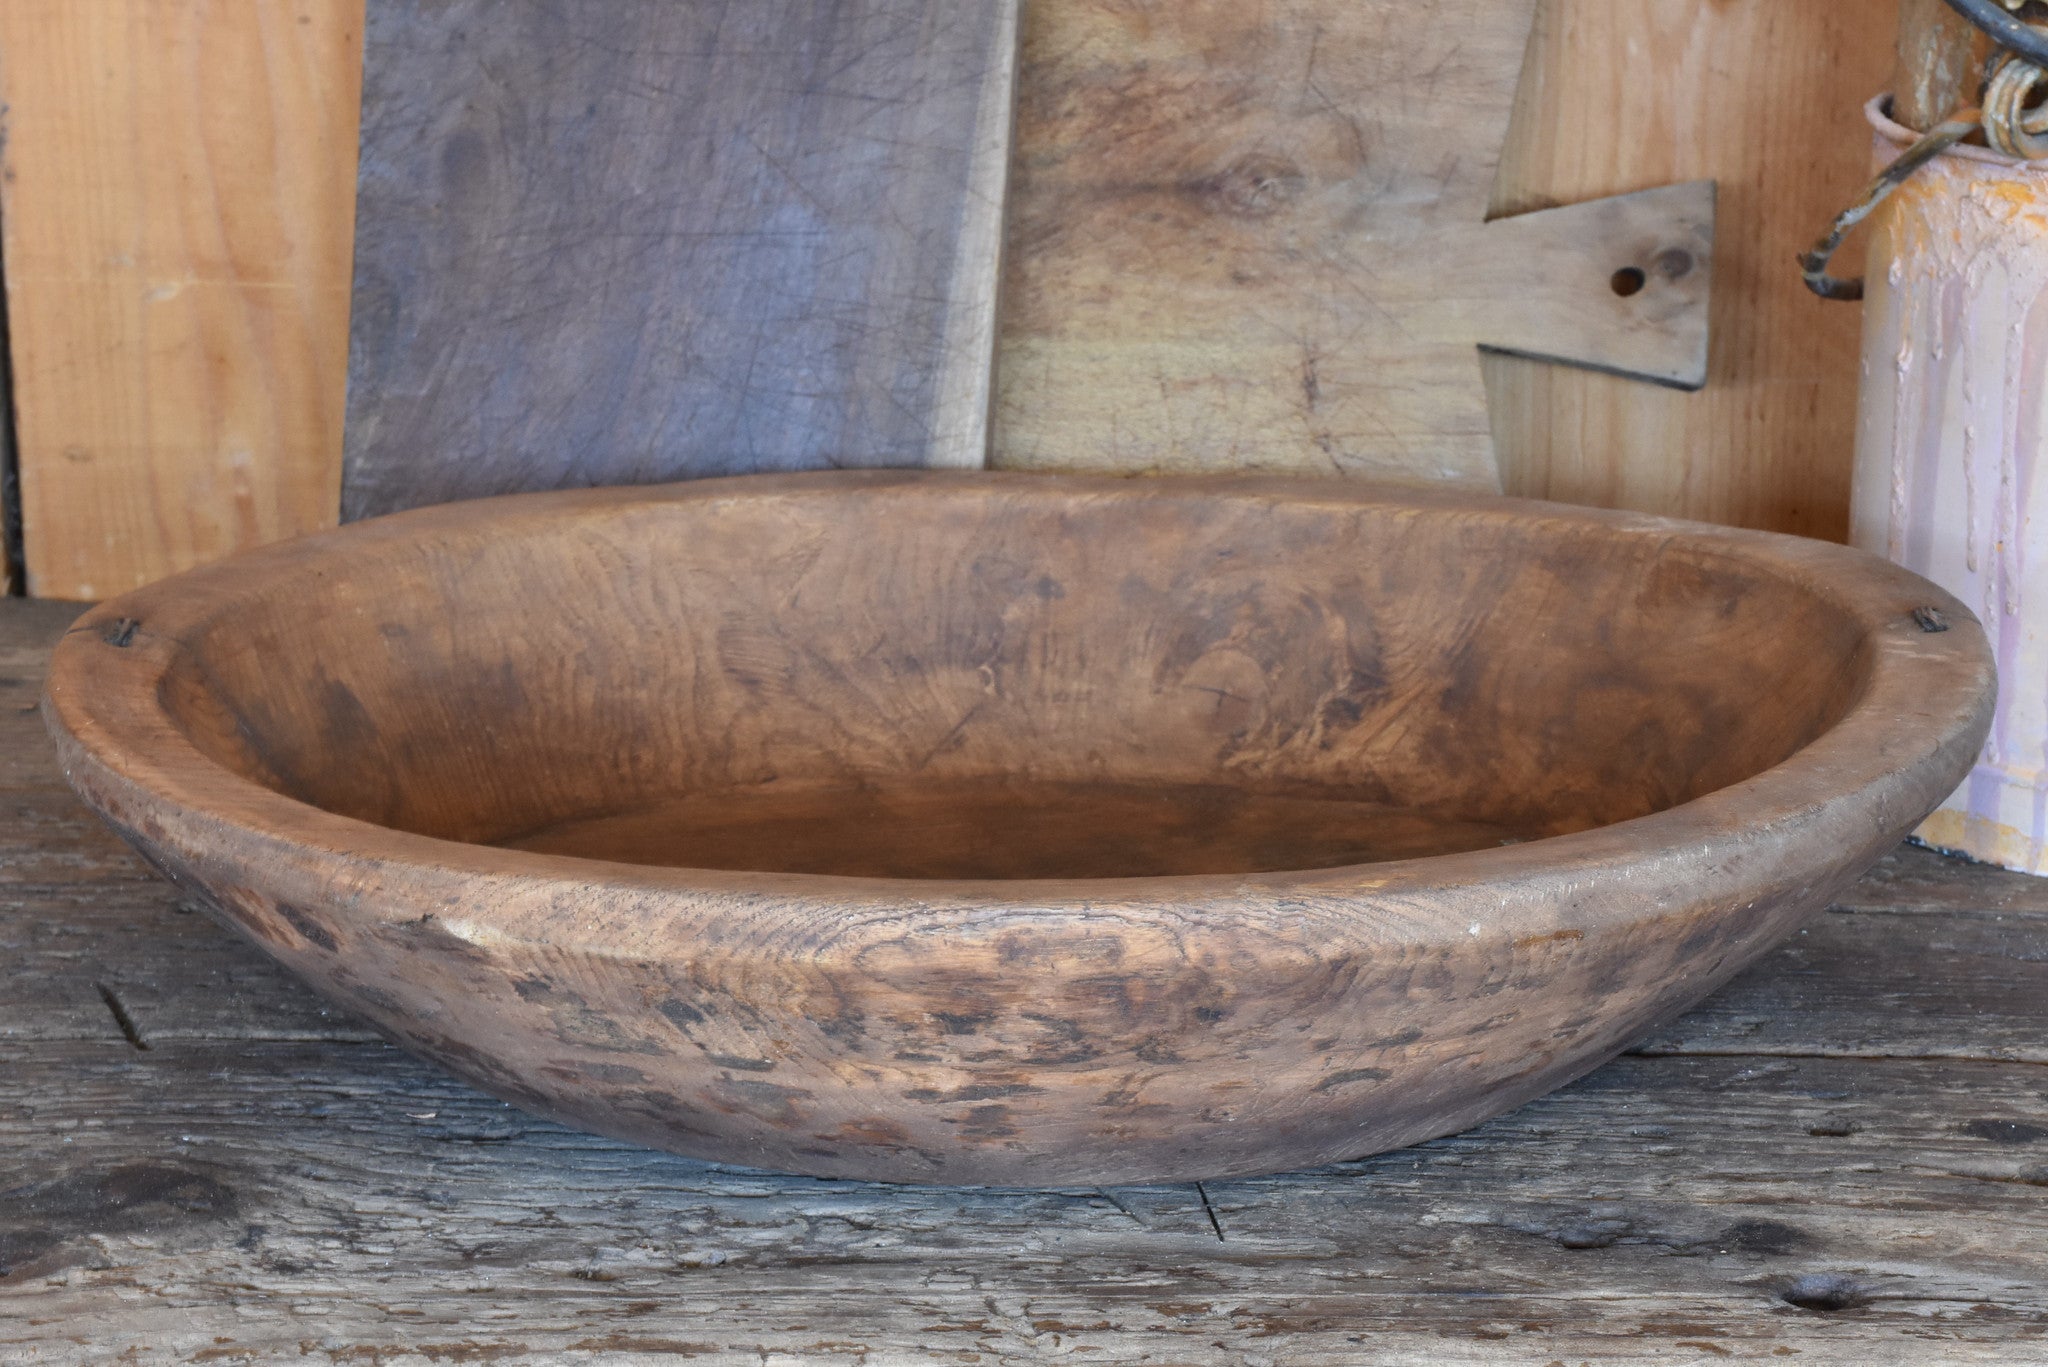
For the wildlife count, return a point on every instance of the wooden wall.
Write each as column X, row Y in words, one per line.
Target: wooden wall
column 1765, row 96
column 177, row 204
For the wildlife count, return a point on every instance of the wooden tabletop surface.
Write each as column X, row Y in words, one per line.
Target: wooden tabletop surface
column 1841, row 1158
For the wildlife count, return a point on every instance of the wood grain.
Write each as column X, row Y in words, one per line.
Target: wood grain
column 179, row 181
column 1012, row 829
column 1764, row 96
column 1253, row 236
column 626, row 241
column 1938, row 70
column 268, row 1180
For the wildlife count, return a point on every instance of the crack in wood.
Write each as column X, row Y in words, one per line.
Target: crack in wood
column 129, row 1030
column 1210, row 1210
column 1111, row 1197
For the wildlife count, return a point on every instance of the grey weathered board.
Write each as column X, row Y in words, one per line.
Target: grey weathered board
column 1840, row 1159
column 626, row 241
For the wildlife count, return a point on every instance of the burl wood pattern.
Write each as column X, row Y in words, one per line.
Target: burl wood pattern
column 625, row 241
column 1010, row 829
column 1256, row 236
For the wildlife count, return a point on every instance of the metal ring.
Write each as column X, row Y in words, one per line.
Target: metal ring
column 2009, row 125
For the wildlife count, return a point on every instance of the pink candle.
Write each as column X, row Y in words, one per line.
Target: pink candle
column 1952, row 450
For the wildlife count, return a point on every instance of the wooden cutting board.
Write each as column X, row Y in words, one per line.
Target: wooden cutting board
column 624, row 241
column 1252, row 234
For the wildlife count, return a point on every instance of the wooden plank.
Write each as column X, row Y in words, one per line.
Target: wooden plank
column 1764, row 97
column 341, row 1203
column 1966, row 984
column 1252, row 236
column 627, row 241
column 176, row 204
column 1916, row 881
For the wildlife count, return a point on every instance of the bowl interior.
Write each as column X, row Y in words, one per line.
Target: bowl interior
column 979, row 680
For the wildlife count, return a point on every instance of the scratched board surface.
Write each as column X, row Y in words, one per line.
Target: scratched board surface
column 626, row 241
column 1255, row 236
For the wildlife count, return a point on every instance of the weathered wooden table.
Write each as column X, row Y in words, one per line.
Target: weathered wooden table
column 1842, row 1158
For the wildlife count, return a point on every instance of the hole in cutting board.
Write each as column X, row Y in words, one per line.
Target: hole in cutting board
column 1629, row 280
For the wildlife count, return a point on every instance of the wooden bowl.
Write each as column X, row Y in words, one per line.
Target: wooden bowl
column 1021, row 829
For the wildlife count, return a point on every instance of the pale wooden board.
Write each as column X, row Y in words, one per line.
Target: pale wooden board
column 268, row 1182
column 176, row 206
column 1766, row 97
column 628, row 241
column 1254, row 236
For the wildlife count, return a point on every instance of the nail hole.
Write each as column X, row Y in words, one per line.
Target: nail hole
column 1629, row 280
column 1930, row 619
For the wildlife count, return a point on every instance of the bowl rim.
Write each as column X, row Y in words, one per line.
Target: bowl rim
column 1906, row 738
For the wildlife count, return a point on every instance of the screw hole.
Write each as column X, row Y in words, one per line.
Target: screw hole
column 1628, row 280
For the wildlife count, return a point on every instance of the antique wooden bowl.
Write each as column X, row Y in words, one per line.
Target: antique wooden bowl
column 1021, row 829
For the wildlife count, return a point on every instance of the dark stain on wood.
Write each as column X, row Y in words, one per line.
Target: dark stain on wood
column 2004, row 1131
column 43, row 1223
column 1828, row 1293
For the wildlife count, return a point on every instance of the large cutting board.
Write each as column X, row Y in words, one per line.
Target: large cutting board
column 1252, row 234
column 621, row 241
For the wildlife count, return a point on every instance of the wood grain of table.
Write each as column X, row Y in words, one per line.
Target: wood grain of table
column 1841, row 1158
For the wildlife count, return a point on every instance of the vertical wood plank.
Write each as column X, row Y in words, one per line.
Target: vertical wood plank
column 177, row 207
column 1243, row 236
column 634, row 241
column 1764, row 95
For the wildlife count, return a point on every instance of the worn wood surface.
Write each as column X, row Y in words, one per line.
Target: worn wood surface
column 1005, row 829
column 1841, row 1159
column 1254, row 237
column 624, row 241
column 1938, row 71
column 1623, row 95
column 176, row 200
column 1764, row 96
